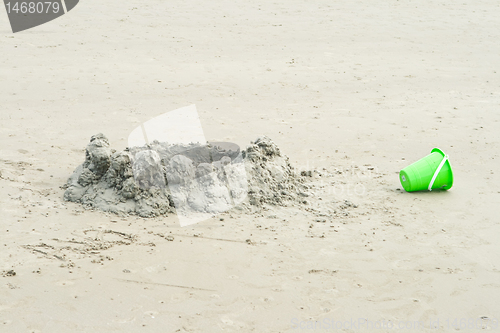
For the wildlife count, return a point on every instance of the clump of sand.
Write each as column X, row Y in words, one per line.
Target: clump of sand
column 163, row 178
column 271, row 177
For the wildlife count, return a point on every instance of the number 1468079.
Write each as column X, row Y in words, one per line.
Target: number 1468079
column 39, row 7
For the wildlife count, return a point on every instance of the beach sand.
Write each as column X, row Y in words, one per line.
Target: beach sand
column 358, row 88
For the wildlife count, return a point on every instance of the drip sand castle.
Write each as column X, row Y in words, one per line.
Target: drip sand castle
column 190, row 180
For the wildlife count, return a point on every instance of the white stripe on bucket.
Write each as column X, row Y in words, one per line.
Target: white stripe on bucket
column 437, row 172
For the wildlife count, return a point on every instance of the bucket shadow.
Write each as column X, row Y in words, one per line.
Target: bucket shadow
column 426, row 193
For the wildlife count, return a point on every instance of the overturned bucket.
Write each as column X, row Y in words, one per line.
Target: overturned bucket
column 429, row 173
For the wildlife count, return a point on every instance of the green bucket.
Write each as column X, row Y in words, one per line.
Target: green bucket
column 429, row 173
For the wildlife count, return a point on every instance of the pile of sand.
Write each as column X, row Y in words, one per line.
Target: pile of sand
column 271, row 178
column 161, row 178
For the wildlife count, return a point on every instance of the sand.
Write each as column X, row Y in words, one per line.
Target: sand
column 354, row 90
column 194, row 181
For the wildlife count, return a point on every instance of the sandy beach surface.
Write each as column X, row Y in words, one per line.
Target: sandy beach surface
column 356, row 89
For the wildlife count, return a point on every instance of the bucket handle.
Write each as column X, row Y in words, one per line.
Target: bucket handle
column 445, row 158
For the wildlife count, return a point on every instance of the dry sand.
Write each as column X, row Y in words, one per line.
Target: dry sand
column 359, row 88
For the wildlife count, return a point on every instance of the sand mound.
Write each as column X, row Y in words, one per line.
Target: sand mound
column 271, row 178
column 161, row 178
